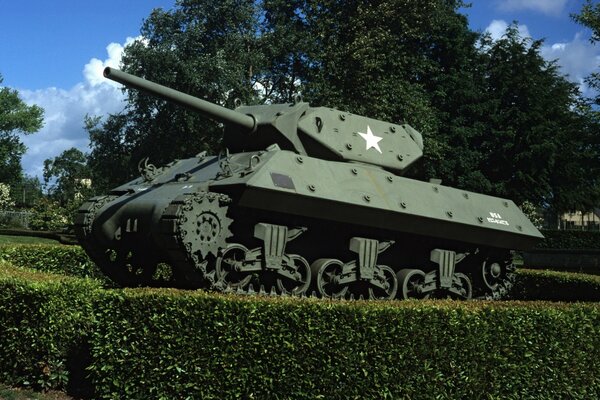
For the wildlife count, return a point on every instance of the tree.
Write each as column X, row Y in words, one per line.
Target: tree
column 15, row 118
column 495, row 115
column 27, row 192
column 203, row 48
column 339, row 54
column 530, row 108
column 67, row 177
column 110, row 158
column 367, row 57
column 590, row 17
column 587, row 195
column 575, row 178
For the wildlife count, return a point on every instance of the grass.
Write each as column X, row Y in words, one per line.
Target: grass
column 6, row 239
column 10, row 393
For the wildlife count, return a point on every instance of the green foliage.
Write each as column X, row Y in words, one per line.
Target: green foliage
column 13, row 240
column 48, row 215
column 70, row 176
column 207, row 49
column 556, row 286
column 534, row 145
column 201, row 346
column 57, row 259
column 151, row 343
column 27, row 192
column 6, row 203
column 533, row 214
column 570, row 240
column 15, row 117
column 110, row 160
column 589, row 17
column 44, row 319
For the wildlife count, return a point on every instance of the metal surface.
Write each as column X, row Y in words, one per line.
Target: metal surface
column 201, row 106
column 307, row 201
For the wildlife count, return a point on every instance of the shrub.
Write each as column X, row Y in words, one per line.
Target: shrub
column 167, row 343
column 44, row 322
column 555, row 286
column 65, row 260
column 48, row 215
column 6, row 203
column 570, row 240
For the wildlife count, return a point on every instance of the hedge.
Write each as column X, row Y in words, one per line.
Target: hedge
column 44, row 321
column 165, row 343
column 554, row 239
column 58, row 259
column 555, row 286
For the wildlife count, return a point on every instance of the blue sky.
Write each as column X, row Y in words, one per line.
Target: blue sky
column 53, row 52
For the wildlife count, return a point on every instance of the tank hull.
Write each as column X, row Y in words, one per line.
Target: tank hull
column 192, row 210
column 372, row 197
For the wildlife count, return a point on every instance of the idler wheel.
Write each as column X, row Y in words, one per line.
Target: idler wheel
column 497, row 277
column 491, row 272
column 410, row 282
column 300, row 269
column 326, row 274
column 389, row 283
column 229, row 268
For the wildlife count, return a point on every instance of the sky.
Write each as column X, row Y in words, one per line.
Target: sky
column 53, row 53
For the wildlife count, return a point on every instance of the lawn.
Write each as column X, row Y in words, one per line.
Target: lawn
column 6, row 239
column 10, row 393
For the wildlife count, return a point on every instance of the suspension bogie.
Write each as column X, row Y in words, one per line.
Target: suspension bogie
column 209, row 246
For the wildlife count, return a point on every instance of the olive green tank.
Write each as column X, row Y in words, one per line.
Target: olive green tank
column 305, row 201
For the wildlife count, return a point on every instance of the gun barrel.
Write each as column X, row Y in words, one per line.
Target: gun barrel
column 206, row 108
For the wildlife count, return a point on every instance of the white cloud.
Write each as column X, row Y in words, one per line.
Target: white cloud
column 577, row 59
column 548, row 7
column 93, row 69
column 64, row 110
column 497, row 29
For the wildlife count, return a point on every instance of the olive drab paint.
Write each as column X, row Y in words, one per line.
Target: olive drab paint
column 304, row 201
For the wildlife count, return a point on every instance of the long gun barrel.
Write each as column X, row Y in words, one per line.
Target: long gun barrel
column 208, row 109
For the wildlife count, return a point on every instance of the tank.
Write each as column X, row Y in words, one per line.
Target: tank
column 303, row 201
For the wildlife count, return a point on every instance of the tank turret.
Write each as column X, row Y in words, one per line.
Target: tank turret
column 313, row 131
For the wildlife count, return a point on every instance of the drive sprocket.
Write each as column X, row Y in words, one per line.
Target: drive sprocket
column 203, row 224
column 194, row 228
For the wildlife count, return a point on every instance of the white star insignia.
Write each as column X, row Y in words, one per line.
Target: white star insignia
column 372, row 140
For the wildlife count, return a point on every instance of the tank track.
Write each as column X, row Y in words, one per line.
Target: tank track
column 119, row 267
column 194, row 230
column 187, row 251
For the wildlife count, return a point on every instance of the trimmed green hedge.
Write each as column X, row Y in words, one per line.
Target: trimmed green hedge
column 58, row 259
column 157, row 344
column 44, row 321
column 555, row 286
column 570, row 240
column 160, row 343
